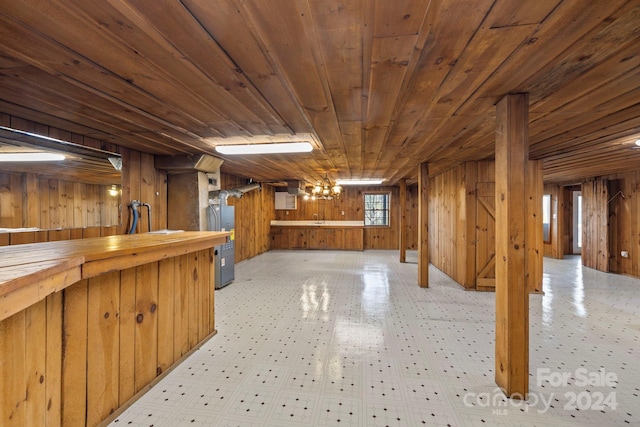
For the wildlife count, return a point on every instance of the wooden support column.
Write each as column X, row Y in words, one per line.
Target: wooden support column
column 512, row 298
column 423, row 225
column 403, row 220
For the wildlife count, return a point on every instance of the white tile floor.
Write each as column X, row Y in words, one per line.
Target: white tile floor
column 321, row 338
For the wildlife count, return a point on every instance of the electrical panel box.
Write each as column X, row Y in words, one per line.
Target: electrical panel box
column 286, row 201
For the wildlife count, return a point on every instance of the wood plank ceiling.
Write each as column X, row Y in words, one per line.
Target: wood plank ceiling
column 382, row 85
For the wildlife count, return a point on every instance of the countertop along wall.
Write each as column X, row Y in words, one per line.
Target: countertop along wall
column 351, row 202
column 317, row 223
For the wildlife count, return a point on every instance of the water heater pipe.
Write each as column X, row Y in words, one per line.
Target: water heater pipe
column 134, row 205
column 134, row 210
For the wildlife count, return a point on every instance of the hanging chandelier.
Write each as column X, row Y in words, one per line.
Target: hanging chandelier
column 324, row 190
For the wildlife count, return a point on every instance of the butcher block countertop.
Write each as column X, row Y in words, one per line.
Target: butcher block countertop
column 30, row 272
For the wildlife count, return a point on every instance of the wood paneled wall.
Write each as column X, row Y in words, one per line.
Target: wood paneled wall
column 351, row 202
column 91, row 347
column 611, row 223
column 449, row 213
column 624, row 227
column 253, row 215
column 26, row 200
column 142, row 182
column 462, row 225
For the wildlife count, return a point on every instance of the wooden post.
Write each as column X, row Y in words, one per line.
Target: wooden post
column 512, row 298
column 423, row 225
column 403, row 220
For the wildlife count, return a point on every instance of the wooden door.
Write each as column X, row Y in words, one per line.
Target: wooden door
column 485, row 237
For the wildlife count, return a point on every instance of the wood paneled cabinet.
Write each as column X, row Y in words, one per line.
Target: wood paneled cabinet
column 318, row 237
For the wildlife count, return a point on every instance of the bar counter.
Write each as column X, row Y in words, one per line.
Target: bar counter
column 87, row 324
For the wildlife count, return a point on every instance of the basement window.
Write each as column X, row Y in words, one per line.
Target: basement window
column 376, row 209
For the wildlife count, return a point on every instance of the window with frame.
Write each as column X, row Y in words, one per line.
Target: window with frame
column 376, row 209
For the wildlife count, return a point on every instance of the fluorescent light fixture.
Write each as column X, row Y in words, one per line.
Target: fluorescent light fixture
column 276, row 148
column 36, row 135
column 30, row 157
column 359, row 181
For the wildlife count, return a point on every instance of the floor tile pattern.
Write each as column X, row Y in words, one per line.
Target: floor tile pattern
column 329, row 338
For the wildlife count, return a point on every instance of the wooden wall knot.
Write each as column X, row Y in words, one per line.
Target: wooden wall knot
column 139, row 317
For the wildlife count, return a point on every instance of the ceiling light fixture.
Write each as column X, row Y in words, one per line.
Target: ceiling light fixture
column 638, row 142
column 62, row 149
column 359, row 181
column 113, row 191
column 30, row 157
column 276, row 148
column 324, row 189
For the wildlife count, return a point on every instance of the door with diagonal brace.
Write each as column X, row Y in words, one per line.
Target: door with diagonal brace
column 485, row 237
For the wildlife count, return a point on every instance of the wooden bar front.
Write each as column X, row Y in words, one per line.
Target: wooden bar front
column 87, row 324
column 317, row 237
